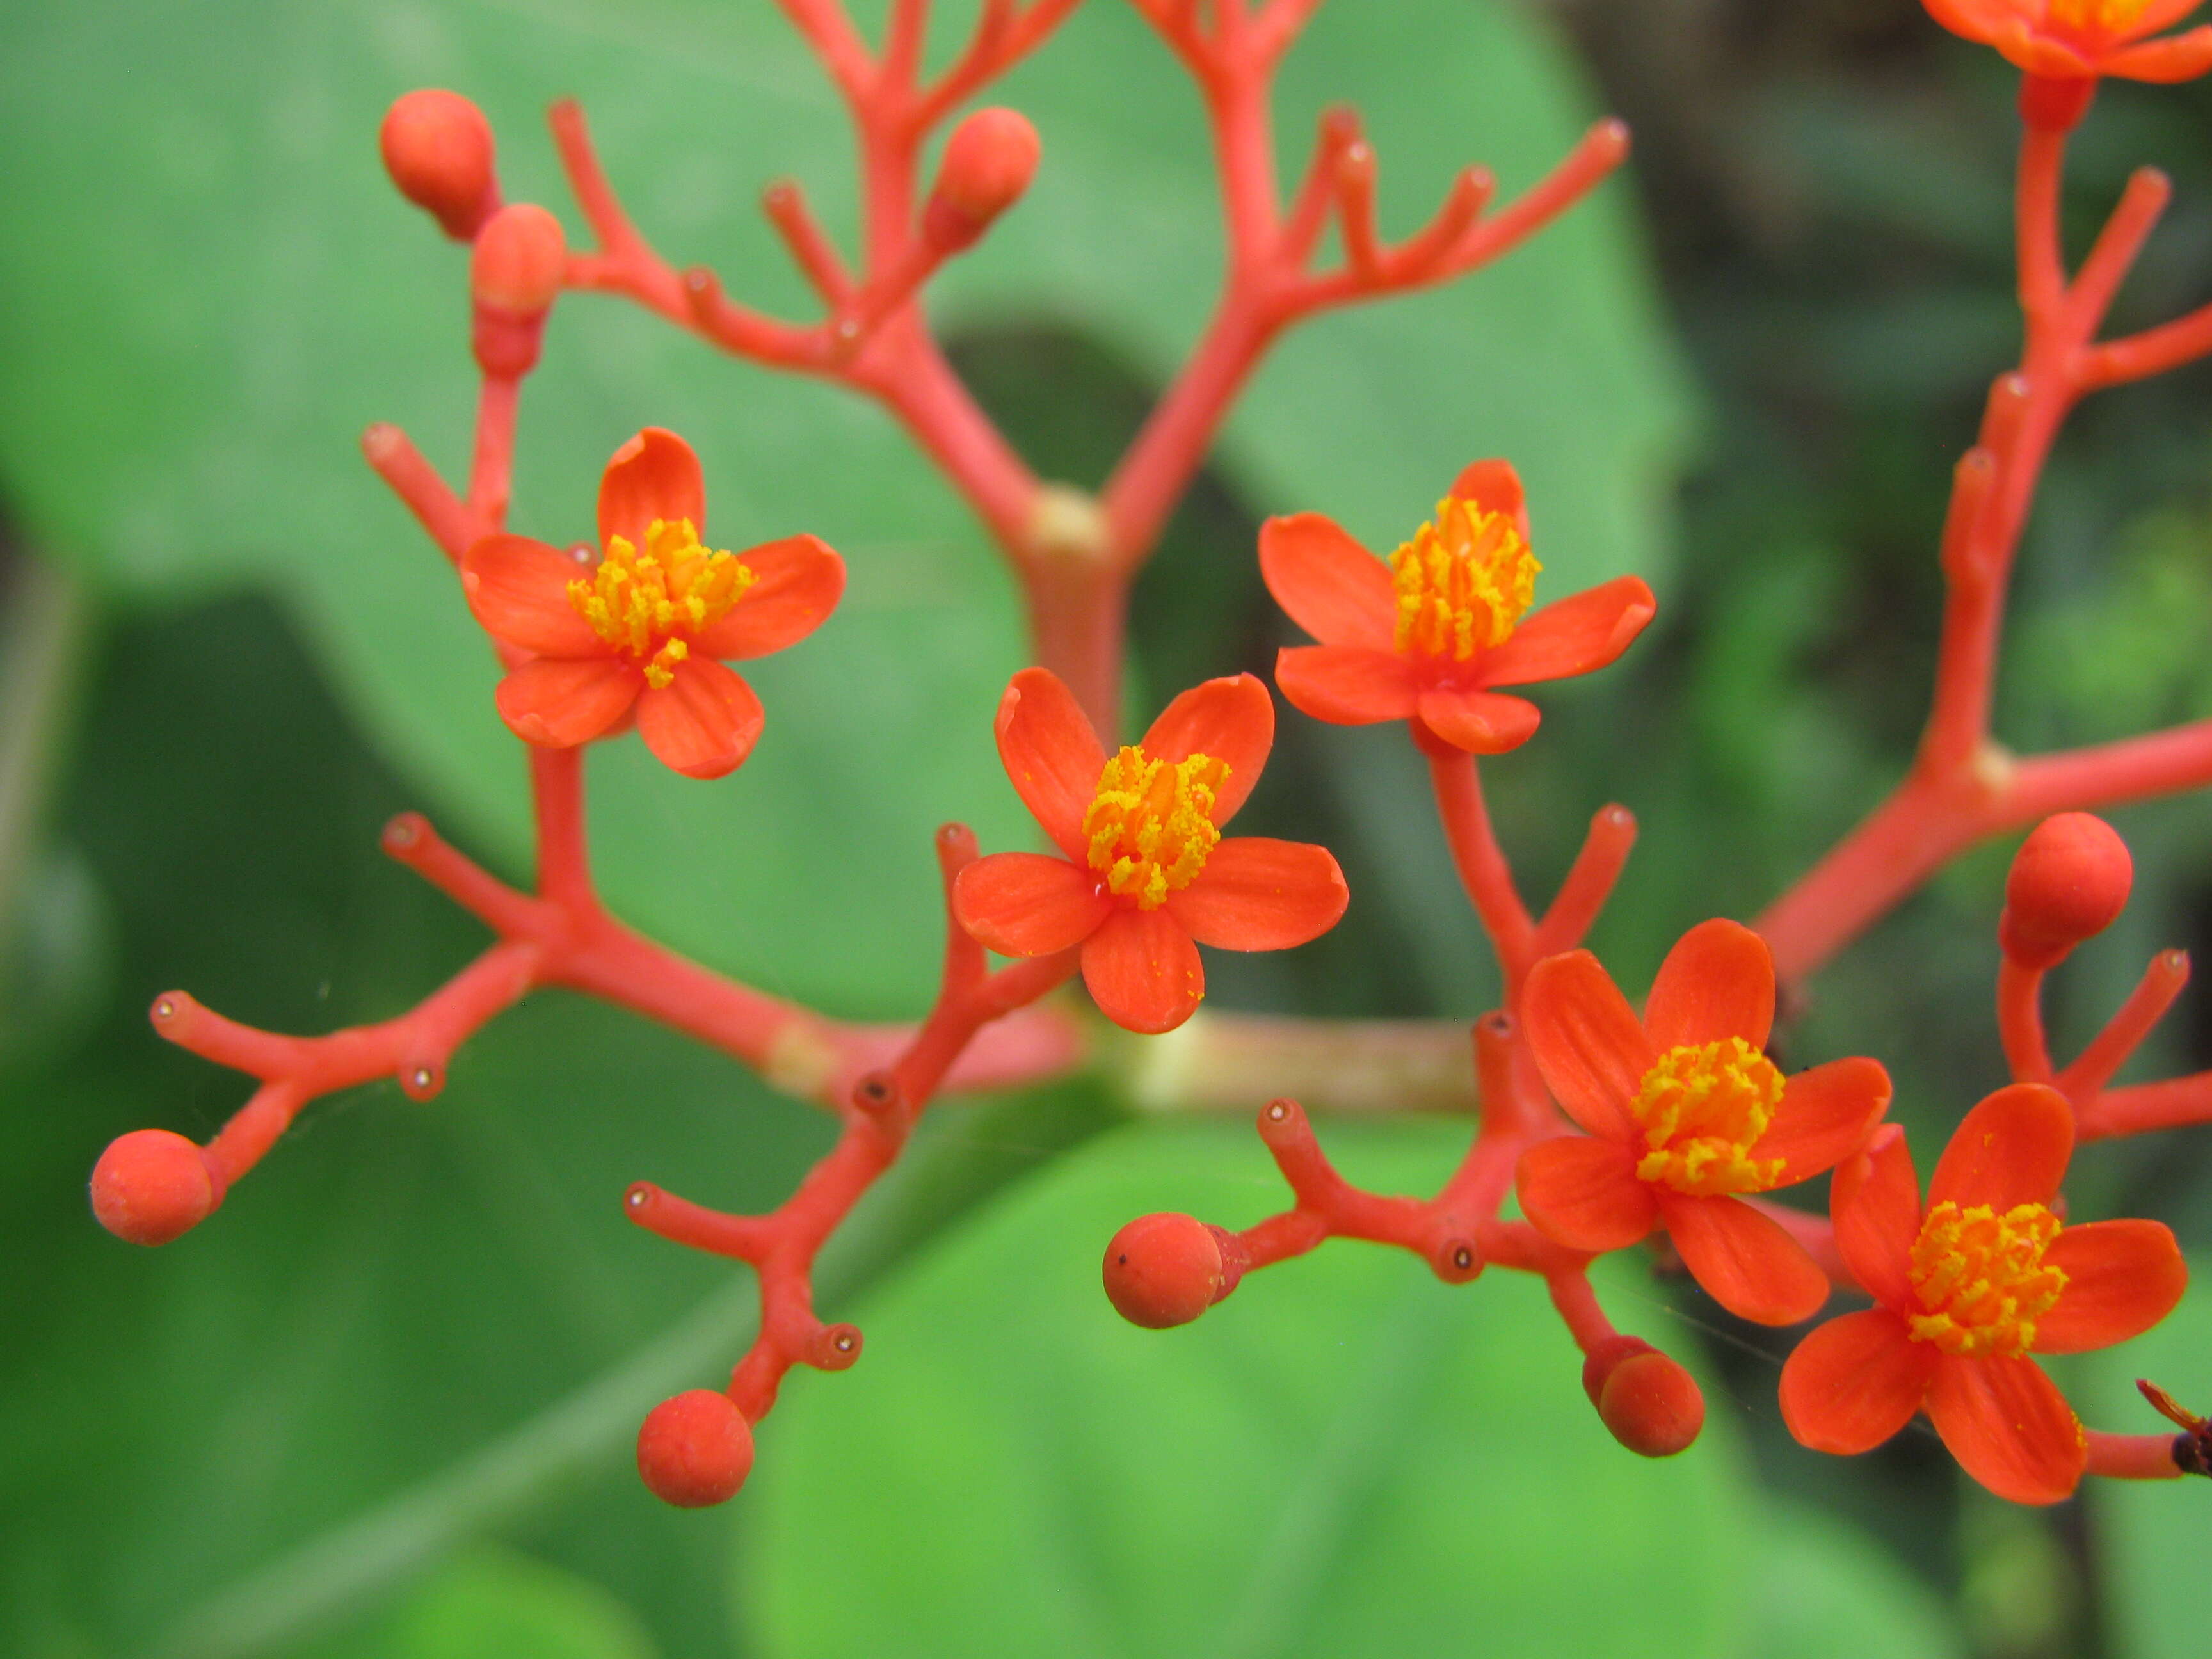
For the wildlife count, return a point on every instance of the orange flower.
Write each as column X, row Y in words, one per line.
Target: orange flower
column 1685, row 1110
column 2081, row 39
column 1146, row 877
column 1966, row 1289
column 643, row 628
column 1428, row 636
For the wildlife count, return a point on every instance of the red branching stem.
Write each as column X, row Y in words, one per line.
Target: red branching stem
column 2124, row 1032
column 449, row 521
column 1578, row 1308
column 878, row 1112
column 1962, row 787
column 1481, row 864
column 2020, row 1022
column 1589, row 883
column 2174, row 1103
column 2132, row 1457
column 785, row 204
column 490, row 474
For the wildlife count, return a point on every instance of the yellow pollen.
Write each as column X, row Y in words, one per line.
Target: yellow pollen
column 1702, row 1107
column 1463, row 582
column 2095, row 16
column 648, row 605
column 1151, row 825
column 1981, row 1278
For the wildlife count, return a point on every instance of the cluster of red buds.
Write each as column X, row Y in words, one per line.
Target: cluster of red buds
column 1612, row 1125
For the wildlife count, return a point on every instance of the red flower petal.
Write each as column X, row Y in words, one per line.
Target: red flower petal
column 1826, row 1115
column 799, row 581
column 1494, row 487
column 704, row 722
column 1579, row 635
column 1855, row 1382
column 1052, row 756
column 2122, row 1277
column 1582, row 1193
column 1716, row 982
column 2157, row 14
column 557, row 703
column 1977, row 20
column 1025, row 904
column 1143, row 971
column 1745, row 1260
column 2179, row 57
column 2039, row 54
column 1231, row 719
column 1348, row 684
column 1588, row 1041
column 653, row 476
column 1480, row 722
column 519, row 590
column 1326, row 583
column 1260, row 894
column 1875, row 1204
column 2008, row 1427
column 2011, row 1149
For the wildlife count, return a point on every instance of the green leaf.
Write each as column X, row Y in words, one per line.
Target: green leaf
column 494, row 1604
column 212, row 290
column 1344, row 1459
column 1825, row 1590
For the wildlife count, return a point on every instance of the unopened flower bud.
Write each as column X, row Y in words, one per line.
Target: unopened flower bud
column 438, row 148
column 695, row 1450
column 1163, row 1270
column 151, row 1186
column 2070, row 882
column 989, row 162
column 1649, row 1403
column 514, row 276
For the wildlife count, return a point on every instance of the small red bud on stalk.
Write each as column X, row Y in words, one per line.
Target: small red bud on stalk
column 2070, row 882
column 695, row 1450
column 1164, row 1270
column 989, row 162
column 1649, row 1403
column 151, row 1186
column 438, row 148
column 514, row 276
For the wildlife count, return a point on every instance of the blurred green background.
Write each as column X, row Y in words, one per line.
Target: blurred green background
column 381, row 1404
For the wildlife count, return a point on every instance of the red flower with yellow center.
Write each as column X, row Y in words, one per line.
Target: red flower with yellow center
column 1146, row 876
column 1684, row 1111
column 2081, row 39
column 1429, row 635
column 1967, row 1289
column 644, row 628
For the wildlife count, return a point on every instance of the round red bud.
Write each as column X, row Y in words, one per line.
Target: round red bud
column 437, row 146
column 150, row 1187
column 989, row 162
column 695, row 1450
column 1163, row 1270
column 2070, row 882
column 1652, row 1406
column 519, row 261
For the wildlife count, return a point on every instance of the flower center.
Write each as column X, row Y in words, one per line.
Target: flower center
column 647, row 604
column 1151, row 825
column 1980, row 1276
column 2103, row 17
column 1702, row 1107
column 1463, row 582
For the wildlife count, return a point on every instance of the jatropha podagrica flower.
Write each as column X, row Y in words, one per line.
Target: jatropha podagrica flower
column 1146, row 876
column 1966, row 1289
column 1429, row 635
column 1684, row 1112
column 644, row 630
column 2082, row 39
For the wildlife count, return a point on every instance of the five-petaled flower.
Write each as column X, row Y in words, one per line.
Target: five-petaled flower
column 1966, row 1289
column 2082, row 39
column 1146, row 876
column 643, row 628
column 1430, row 635
column 1684, row 1110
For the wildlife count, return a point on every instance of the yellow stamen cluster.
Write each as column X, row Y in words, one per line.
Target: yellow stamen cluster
column 646, row 605
column 1463, row 581
column 1980, row 1276
column 1151, row 825
column 2095, row 16
column 1702, row 1107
